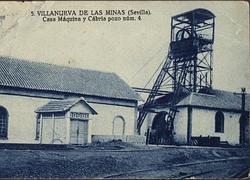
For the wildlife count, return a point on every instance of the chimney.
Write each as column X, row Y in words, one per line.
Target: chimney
column 243, row 98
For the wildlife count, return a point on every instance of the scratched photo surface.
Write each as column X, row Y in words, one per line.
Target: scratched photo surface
column 132, row 49
column 80, row 81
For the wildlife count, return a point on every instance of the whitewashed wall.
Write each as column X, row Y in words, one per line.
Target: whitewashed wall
column 203, row 123
column 22, row 117
column 147, row 123
column 180, row 126
column 102, row 123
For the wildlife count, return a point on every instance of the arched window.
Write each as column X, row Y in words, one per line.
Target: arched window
column 3, row 123
column 118, row 125
column 219, row 122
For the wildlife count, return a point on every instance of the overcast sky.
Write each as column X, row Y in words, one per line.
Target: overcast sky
column 125, row 47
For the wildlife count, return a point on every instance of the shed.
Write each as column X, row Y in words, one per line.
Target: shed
column 64, row 122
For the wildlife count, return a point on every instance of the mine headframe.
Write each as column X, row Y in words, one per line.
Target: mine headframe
column 188, row 64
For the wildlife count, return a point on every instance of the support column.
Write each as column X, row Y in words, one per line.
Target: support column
column 189, row 125
column 195, row 75
column 41, row 129
column 68, row 121
column 53, row 128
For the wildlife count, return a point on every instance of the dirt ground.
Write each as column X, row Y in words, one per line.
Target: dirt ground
column 102, row 159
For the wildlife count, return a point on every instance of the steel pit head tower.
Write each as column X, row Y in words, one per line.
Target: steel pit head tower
column 192, row 38
column 188, row 64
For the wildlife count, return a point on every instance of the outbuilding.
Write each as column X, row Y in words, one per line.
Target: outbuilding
column 64, row 122
column 217, row 114
column 51, row 104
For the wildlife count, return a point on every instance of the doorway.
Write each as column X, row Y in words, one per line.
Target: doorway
column 78, row 131
column 159, row 133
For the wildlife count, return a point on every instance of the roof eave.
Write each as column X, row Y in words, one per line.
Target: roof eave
column 211, row 108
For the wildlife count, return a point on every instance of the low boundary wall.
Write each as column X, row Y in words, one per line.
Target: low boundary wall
column 135, row 139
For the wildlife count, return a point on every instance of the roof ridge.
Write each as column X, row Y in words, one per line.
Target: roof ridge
column 229, row 91
column 53, row 107
column 220, row 91
column 16, row 72
column 50, row 64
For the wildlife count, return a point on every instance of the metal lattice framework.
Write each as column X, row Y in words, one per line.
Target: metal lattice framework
column 188, row 63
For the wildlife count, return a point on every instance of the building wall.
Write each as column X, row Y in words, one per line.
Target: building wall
column 180, row 126
column 53, row 130
column 22, row 117
column 102, row 123
column 107, row 110
column 203, row 123
column 147, row 123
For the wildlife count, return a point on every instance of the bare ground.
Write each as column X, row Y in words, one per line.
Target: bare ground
column 103, row 159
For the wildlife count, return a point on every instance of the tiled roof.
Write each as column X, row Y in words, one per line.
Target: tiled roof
column 62, row 105
column 219, row 99
column 42, row 76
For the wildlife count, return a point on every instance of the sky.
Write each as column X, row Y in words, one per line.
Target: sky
column 131, row 49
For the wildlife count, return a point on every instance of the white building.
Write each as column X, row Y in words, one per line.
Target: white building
column 44, row 103
column 217, row 114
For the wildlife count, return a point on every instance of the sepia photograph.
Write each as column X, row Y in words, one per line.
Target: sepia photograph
column 124, row 89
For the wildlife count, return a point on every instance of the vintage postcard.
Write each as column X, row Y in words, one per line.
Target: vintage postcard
column 124, row 89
